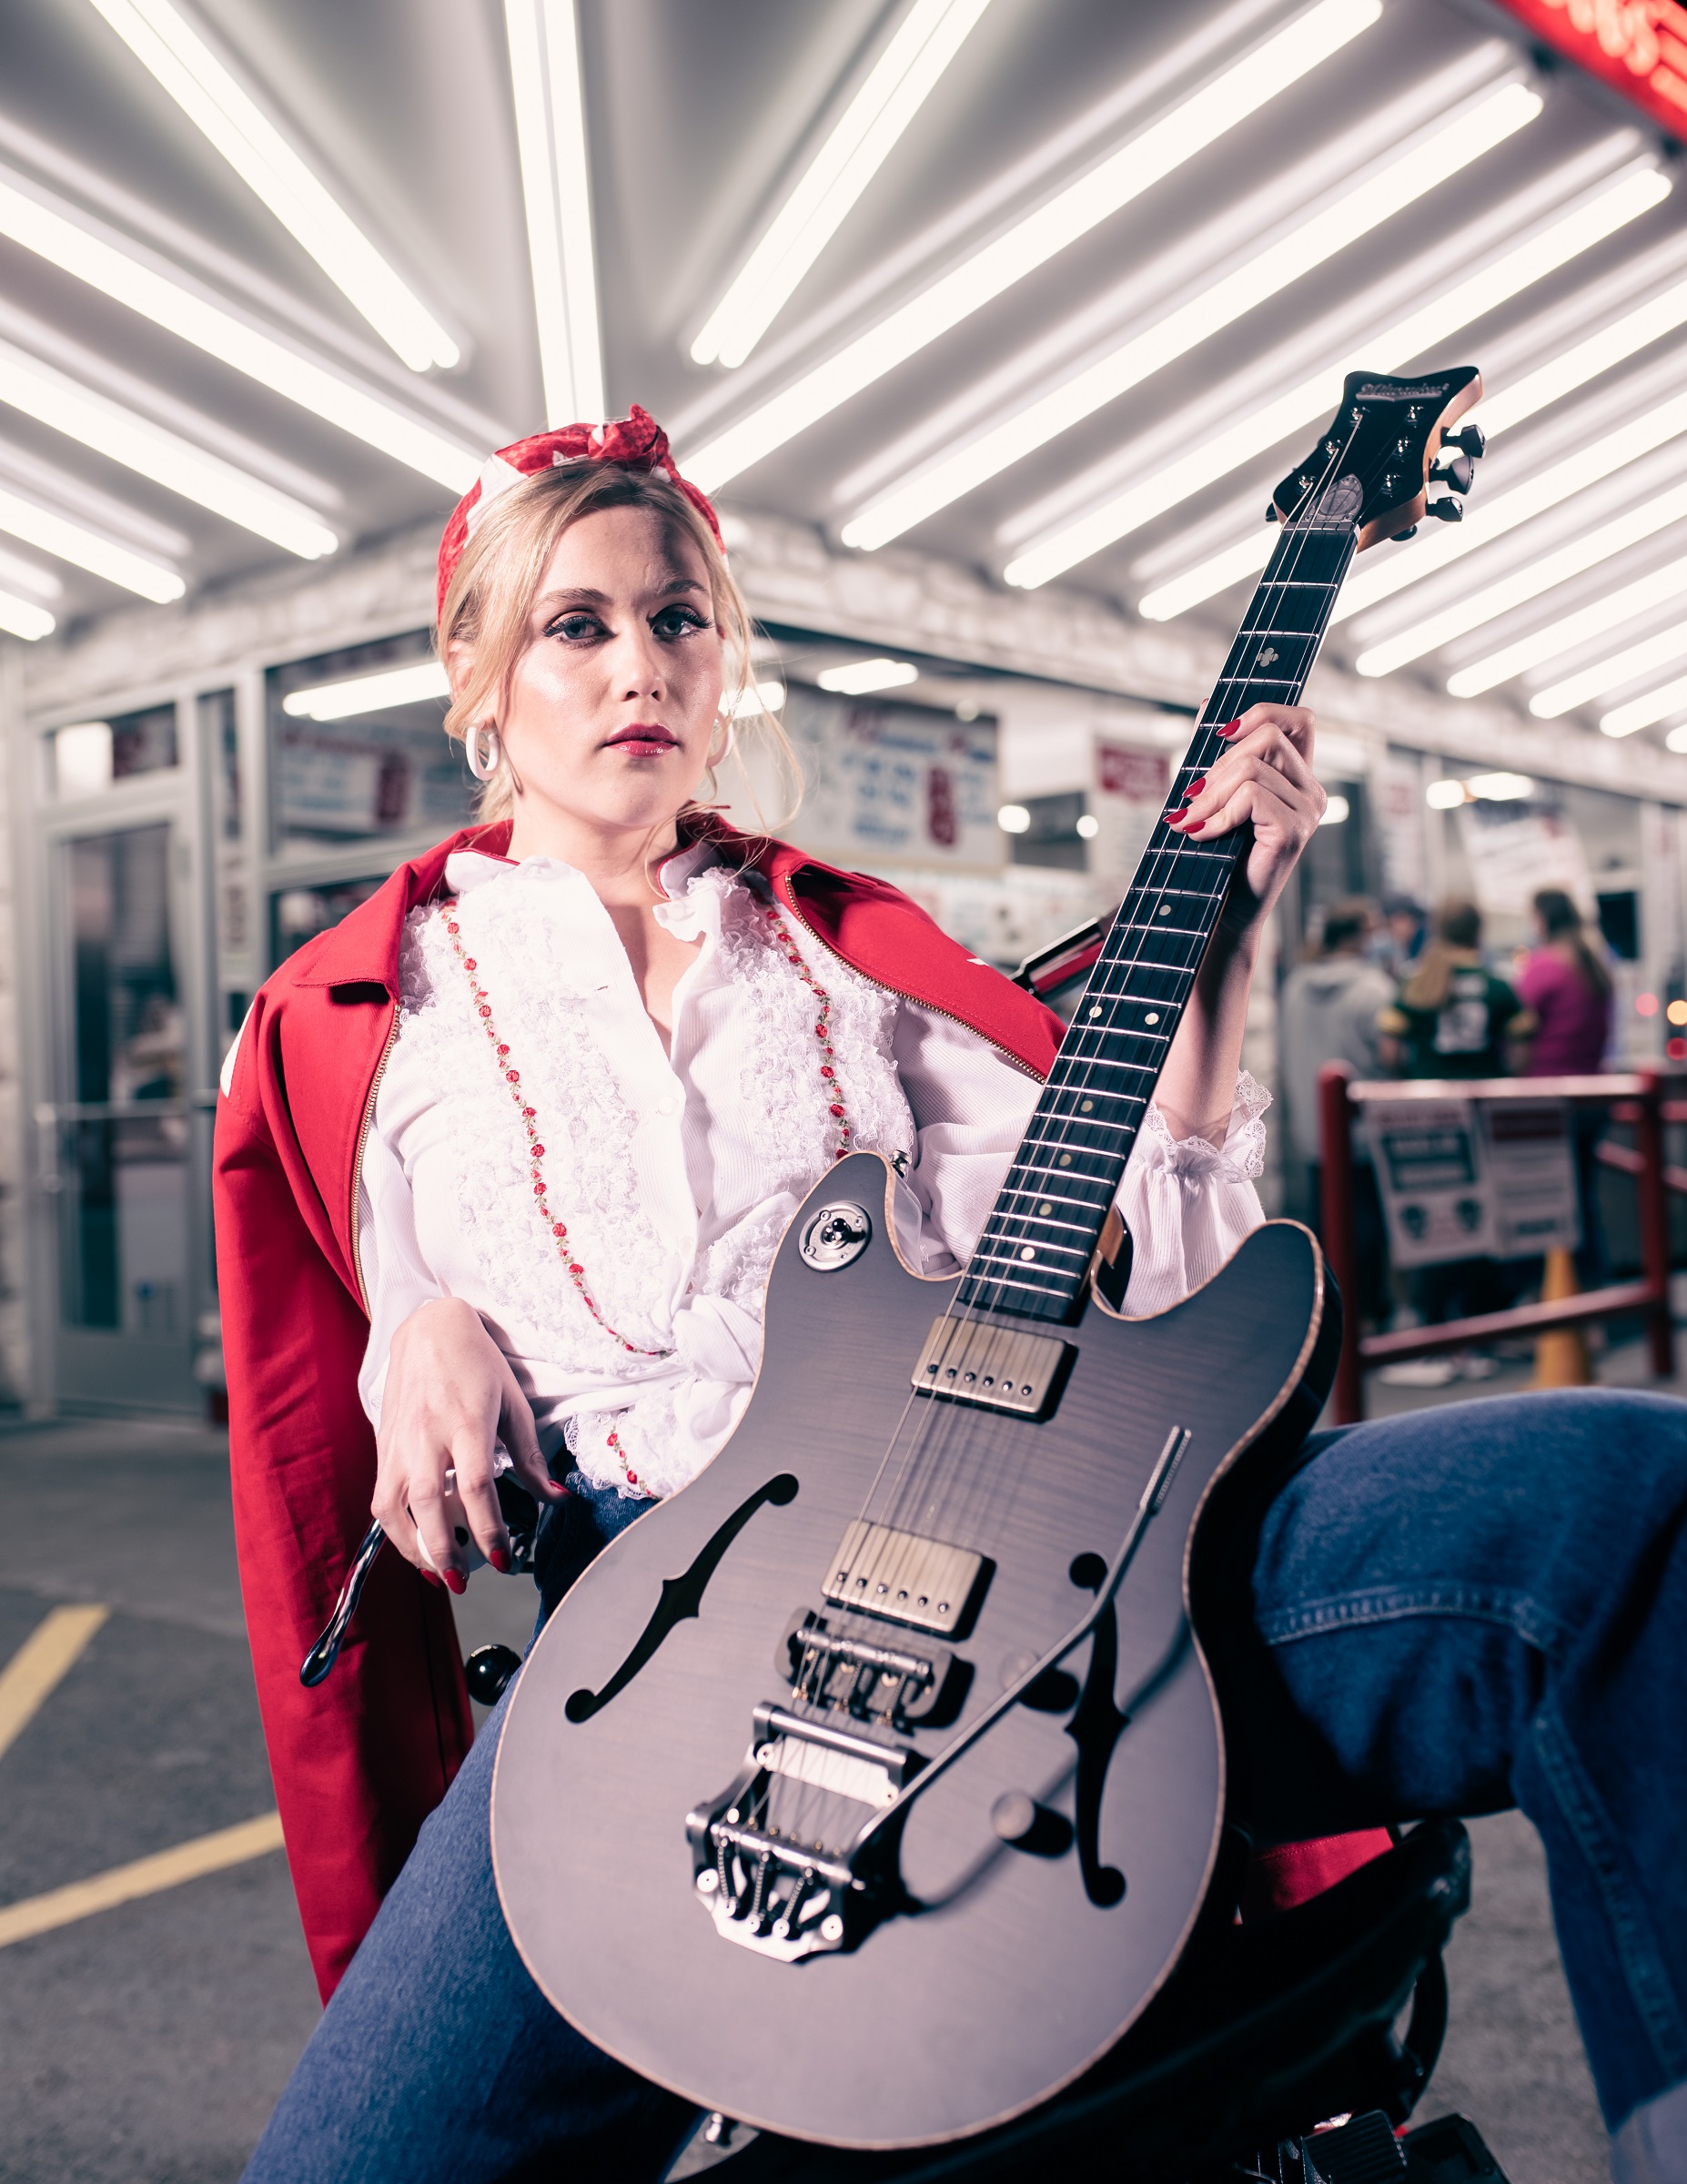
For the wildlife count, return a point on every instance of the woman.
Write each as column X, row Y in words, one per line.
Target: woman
column 1566, row 988
column 531, row 1202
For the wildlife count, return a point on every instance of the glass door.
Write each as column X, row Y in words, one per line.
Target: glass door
column 125, row 1142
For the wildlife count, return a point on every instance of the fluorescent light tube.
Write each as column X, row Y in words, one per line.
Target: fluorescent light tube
column 52, row 398
column 1314, row 400
column 1154, row 152
column 163, row 40
column 1493, row 519
column 85, row 549
column 131, row 278
column 930, row 35
column 551, row 136
column 1573, row 368
column 1662, row 650
column 1444, row 796
column 1564, row 633
column 863, row 675
column 1363, row 203
column 1217, row 572
column 1640, row 712
column 1499, row 788
column 359, row 694
column 21, row 618
column 31, row 580
column 1585, row 552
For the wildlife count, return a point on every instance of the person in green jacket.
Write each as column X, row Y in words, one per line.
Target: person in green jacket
column 1453, row 1018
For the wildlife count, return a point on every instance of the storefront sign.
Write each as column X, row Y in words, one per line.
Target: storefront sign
column 1637, row 46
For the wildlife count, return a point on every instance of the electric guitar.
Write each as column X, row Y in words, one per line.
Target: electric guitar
column 868, row 1789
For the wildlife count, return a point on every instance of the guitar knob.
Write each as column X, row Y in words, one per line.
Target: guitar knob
column 1470, row 439
column 1014, row 1815
column 1457, row 470
column 1411, row 531
column 488, row 1670
column 1447, row 509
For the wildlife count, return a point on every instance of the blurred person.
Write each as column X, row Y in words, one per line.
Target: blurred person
column 1327, row 1012
column 1399, row 940
column 409, row 1276
column 1566, row 987
column 1452, row 1016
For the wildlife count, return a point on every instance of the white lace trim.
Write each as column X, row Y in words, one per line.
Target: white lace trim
column 1197, row 1162
column 703, row 1312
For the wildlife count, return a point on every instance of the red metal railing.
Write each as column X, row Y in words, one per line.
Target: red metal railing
column 1637, row 1100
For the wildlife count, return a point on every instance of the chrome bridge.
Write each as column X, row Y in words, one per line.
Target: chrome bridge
column 767, row 1890
column 885, row 1683
column 995, row 1367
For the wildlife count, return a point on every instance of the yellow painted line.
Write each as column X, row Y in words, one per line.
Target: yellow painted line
column 48, row 1654
column 145, row 1876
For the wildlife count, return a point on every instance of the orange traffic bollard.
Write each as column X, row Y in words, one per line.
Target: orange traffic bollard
column 1562, row 1353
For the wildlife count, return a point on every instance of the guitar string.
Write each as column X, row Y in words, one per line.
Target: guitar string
column 987, row 1434
column 1172, row 855
column 933, row 1442
column 1174, row 851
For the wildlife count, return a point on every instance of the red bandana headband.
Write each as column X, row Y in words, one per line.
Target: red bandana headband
column 636, row 443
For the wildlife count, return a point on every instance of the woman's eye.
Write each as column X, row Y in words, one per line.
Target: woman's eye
column 676, row 622
column 576, row 626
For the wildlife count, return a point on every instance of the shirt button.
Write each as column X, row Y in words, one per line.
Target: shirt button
column 670, row 1106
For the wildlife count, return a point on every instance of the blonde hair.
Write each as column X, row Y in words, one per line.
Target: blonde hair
column 490, row 594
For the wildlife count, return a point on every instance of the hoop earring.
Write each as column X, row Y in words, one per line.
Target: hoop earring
column 484, row 766
column 726, row 748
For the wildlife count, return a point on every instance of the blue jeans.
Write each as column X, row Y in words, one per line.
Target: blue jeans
column 1453, row 1612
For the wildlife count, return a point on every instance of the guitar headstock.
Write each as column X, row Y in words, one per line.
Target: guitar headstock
column 1390, row 442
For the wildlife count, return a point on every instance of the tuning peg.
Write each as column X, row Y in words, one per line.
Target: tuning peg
column 1470, row 439
column 1446, row 509
column 1458, row 472
column 1400, row 537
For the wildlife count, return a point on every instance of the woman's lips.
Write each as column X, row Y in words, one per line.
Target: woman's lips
column 643, row 735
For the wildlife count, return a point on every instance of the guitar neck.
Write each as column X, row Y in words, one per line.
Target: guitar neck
column 1034, row 1255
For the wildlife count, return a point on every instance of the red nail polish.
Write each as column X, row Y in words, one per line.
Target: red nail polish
column 1195, row 826
column 499, row 1562
column 1194, row 790
column 1177, row 818
column 455, row 1581
column 1230, row 727
column 430, row 1577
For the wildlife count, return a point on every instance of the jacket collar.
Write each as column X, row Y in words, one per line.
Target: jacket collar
column 363, row 949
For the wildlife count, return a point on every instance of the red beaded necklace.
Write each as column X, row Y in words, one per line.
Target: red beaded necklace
column 535, row 1149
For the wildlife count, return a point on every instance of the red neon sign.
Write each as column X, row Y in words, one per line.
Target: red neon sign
column 1637, row 46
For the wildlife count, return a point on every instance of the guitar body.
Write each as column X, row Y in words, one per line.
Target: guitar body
column 988, row 1971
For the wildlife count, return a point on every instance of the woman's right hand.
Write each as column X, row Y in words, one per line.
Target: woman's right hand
column 450, row 1397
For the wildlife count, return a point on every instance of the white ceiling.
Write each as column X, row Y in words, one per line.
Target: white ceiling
column 701, row 114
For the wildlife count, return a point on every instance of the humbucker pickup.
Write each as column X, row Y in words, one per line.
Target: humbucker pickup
column 926, row 1584
column 998, row 1368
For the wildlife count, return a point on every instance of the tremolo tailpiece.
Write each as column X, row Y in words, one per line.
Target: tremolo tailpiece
column 788, row 1898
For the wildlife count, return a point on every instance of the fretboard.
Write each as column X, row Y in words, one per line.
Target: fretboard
column 1034, row 1255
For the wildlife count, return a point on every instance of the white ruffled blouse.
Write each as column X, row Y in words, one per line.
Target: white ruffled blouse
column 677, row 1172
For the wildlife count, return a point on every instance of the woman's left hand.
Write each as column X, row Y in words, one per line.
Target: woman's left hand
column 1265, row 777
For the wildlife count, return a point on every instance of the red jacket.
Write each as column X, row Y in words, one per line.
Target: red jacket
column 360, row 1761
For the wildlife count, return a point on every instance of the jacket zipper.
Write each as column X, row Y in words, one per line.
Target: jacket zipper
column 356, row 1165
column 1006, row 1053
